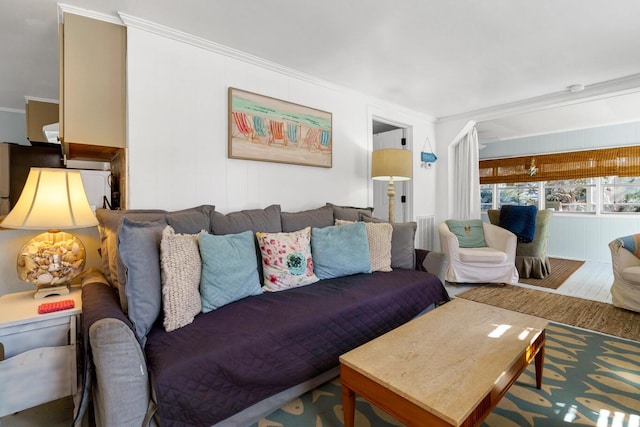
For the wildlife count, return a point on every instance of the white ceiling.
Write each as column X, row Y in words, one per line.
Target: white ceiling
column 440, row 57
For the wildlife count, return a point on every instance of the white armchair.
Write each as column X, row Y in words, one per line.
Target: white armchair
column 494, row 263
column 625, row 290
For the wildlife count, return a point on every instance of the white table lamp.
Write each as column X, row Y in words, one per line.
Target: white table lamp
column 53, row 200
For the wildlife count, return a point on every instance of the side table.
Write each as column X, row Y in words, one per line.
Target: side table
column 38, row 355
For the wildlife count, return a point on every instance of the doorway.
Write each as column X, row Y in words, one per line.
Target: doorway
column 387, row 134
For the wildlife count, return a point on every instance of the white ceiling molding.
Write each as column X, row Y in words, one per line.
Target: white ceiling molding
column 67, row 8
column 190, row 39
column 35, row 98
column 620, row 86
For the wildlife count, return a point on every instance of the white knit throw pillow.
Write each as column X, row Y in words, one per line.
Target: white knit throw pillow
column 180, row 266
column 379, row 237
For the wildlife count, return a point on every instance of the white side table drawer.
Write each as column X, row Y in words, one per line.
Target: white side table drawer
column 20, row 338
column 36, row 376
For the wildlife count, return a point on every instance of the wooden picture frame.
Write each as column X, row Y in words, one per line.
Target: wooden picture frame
column 272, row 130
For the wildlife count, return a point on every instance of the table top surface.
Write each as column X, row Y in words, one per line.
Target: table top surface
column 447, row 360
column 21, row 308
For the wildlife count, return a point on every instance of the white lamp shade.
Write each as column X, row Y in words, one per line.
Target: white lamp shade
column 51, row 199
column 392, row 163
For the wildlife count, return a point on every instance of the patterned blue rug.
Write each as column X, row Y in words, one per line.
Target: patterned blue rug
column 589, row 379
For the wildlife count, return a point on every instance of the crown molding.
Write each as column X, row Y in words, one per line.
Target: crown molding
column 199, row 42
column 67, row 8
column 592, row 92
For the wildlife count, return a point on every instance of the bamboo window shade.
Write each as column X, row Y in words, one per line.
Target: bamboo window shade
column 620, row 161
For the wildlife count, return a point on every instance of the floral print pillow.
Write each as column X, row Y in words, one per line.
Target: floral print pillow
column 286, row 259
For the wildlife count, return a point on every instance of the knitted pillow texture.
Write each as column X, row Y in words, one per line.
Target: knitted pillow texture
column 379, row 236
column 180, row 268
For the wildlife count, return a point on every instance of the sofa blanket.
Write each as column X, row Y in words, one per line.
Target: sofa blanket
column 233, row 357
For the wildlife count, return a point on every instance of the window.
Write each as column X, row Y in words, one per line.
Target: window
column 603, row 181
column 521, row 194
column 572, row 195
column 620, row 194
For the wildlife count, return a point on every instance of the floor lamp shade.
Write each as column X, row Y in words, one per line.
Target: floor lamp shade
column 53, row 200
column 391, row 164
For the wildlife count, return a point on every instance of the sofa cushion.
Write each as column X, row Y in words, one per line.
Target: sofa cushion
column 340, row 250
column 484, row 255
column 192, row 220
column 294, row 221
column 180, row 267
column 379, row 236
column 631, row 274
column 229, row 269
column 520, row 220
column 470, row 233
column 403, row 254
column 286, row 259
column 139, row 250
column 350, row 213
column 266, row 220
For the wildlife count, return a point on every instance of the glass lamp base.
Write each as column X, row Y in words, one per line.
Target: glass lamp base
column 51, row 260
column 51, row 291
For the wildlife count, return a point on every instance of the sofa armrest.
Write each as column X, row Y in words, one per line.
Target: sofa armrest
column 432, row 262
column 121, row 389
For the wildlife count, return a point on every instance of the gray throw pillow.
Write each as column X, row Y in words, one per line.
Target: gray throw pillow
column 350, row 213
column 266, row 220
column 403, row 237
column 192, row 220
column 295, row 221
column 139, row 250
column 109, row 225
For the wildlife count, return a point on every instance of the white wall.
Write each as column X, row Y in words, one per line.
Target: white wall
column 177, row 133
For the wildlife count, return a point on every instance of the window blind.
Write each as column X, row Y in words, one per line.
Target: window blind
column 619, row 161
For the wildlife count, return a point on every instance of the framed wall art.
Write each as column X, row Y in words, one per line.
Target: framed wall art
column 272, row 130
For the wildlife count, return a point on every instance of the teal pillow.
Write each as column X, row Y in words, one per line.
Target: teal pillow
column 470, row 232
column 229, row 269
column 340, row 250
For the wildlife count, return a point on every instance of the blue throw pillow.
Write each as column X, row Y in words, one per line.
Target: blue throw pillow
column 520, row 220
column 139, row 251
column 470, row 233
column 340, row 250
column 229, row 269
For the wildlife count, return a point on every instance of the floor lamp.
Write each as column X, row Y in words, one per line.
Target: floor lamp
column 391, row 164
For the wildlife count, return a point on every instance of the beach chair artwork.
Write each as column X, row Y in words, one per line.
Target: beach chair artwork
column 272, row 130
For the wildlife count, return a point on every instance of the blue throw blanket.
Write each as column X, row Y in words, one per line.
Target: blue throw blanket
column 520, row 220
column 630, row 243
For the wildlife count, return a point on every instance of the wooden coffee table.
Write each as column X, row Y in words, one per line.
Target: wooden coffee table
column 449, row 367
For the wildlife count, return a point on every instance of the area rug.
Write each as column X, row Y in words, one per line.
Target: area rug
column 561, row 269
column 588, row 379
column 587, row 314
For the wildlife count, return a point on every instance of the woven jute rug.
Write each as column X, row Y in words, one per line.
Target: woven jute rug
column 561, row 269
column 587, row 314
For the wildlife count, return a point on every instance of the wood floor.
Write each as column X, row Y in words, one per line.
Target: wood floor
column 591, row 281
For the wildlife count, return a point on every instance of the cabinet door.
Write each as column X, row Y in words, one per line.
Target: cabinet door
column 39, row 114
column 93, row 86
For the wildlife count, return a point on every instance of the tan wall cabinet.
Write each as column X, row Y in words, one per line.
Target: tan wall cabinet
column 92, row 88
column 39, row 114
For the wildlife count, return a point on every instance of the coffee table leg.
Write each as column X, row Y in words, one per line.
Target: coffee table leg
column 539, row 366
column 348, row 406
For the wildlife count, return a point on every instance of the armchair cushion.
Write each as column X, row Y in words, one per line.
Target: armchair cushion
column 486, row 255
column 470, row 233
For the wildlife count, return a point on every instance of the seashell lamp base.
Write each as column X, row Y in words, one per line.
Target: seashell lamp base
column 51, row 260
